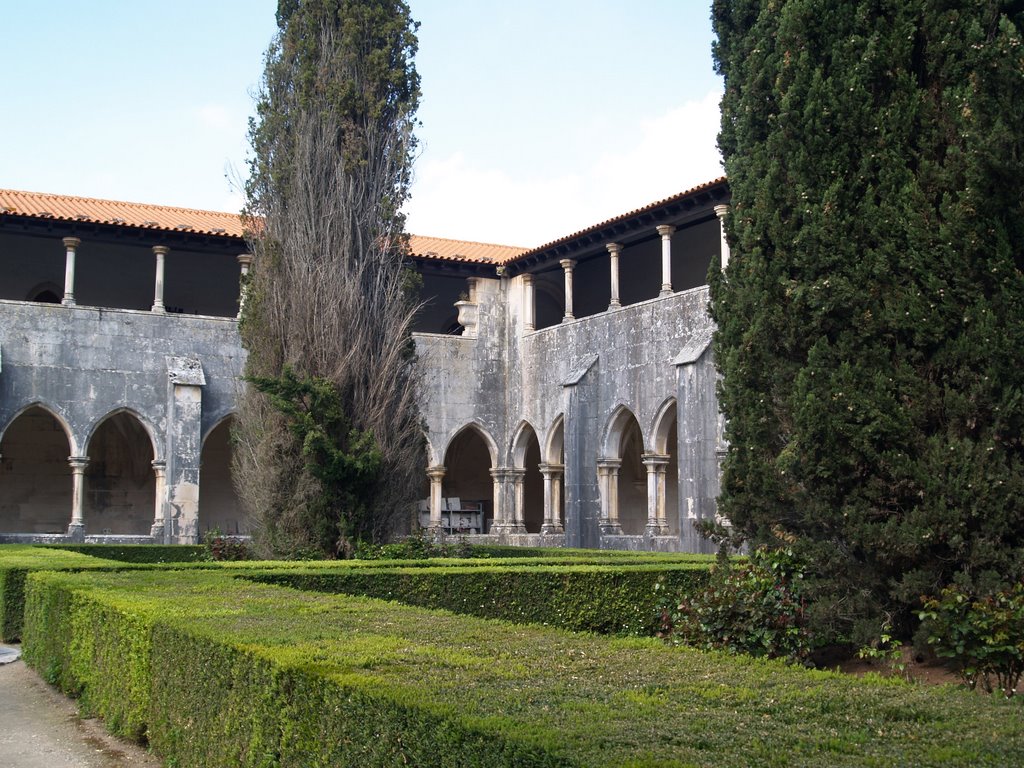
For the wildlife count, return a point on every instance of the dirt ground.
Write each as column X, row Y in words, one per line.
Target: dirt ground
column 40, row 728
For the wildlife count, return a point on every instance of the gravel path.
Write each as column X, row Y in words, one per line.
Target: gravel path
column 40, row 727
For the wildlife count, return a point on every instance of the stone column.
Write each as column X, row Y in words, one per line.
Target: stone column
column 721, row 211
column 666, row 258
column 518, row 477
column 76, row 530
column 436, row 475
column 656, row 465
column 552, row 474
column 244, row 261
column 529, row 308
column 161, row 252
column 608, row 481
column 614, row 249
column 71, row 246
column 568, row 265
column 159, row 529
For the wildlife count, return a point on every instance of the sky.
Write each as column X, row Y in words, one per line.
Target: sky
column 538, row 119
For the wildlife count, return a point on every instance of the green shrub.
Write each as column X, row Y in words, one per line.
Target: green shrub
column 221, row 548
column 981, row 636
column 225, row 672
column 609, row 599
column 754, row 607
column 139, row 553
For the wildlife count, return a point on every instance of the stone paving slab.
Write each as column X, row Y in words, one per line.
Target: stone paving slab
column 40, row 727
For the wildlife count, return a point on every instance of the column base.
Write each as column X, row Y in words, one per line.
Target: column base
column 652, row 529
column 568, row 318
column 158, row 531
column 76, row 532
column 508, row 528
column 610, row 529
column 549, row 529
column 666, row 292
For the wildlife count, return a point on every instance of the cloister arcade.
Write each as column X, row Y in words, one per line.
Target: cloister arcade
column 113, row 485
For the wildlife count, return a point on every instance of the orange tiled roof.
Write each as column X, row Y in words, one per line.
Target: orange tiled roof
column 461, row 250
column 623, row 216
column 88, row 209
column 168, row 218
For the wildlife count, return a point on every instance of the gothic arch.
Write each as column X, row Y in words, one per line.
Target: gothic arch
column 520, row 443
column 35, row 475
column 219, row 508
column 120, row 479
column 481, row 430
column 143, row 422
column 662, row 428
column 554, row 446
column 615, row 431
column 55, row 413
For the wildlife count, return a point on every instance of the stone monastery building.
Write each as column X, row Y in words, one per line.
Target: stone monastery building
column 569, row 389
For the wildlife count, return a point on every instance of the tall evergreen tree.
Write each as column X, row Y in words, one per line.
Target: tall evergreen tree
column 329, row 434
column 871, row 320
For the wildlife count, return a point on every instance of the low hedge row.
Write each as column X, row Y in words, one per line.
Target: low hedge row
column 610, row 599
column 140, row 553
column 215, row 671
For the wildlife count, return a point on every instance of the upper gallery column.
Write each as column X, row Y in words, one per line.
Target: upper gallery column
column 721, row 211
column 614, row 249
column 529, row 320
column 161, row 252
column 568, row 265
column 244, row 261
column 71, row 246
column 666, row 231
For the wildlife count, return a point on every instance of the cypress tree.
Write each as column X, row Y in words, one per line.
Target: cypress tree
column 330, row 441
column 871, row 319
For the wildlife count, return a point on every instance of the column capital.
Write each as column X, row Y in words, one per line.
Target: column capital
column 654, row 459
column 567, row 264
column 159, row 465
column 721, row 210
column 665, row 230
column 608, row 464
column 245, row 259
column 78, row 463
column 71, row 243
column 527, row 277
column 614, row 248
column 161, row 250
column 551, row 470
column 436, row 472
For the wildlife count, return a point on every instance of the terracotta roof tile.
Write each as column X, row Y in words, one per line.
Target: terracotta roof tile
column 461, row 250
column 167, row 218
column 87, row 209
column 620, row 217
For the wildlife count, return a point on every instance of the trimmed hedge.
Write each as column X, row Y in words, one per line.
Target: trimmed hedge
column 225, row 672
column 596, row 598
column 17, row 560
column 139, row 553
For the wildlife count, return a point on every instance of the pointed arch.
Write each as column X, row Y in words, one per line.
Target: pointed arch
column 217, row 422
column 58, row 416
column 554, row 446
column 663, row 427
column 615, row 431
column 120, row 479
column 477, row 427
column 520, row 442
column 35, row 475
column 130, row 412
column 219, row 508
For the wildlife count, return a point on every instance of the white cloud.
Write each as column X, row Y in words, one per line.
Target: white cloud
column 674, row 151
column 217, row 117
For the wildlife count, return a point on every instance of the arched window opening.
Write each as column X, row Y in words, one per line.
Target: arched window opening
column 468, row 496
column 120, row 485
column 632, row 480
column 219, row 508
column 35, row 478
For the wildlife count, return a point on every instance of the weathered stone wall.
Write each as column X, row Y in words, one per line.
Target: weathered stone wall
column 84, row 364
